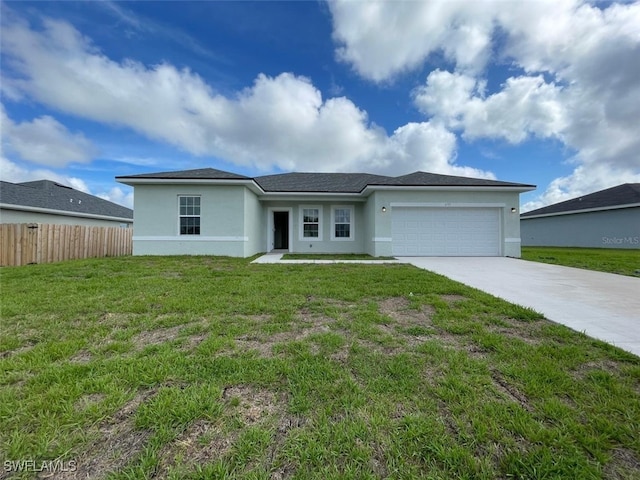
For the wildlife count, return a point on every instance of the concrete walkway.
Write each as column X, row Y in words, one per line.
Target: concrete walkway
column 277, row 258
column 602, row 305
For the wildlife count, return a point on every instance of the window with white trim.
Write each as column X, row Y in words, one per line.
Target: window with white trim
column 310, row 222
column 342, row 223
column 189, row 215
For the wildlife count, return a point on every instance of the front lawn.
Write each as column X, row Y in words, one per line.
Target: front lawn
column 200, row 368
column 610, row 260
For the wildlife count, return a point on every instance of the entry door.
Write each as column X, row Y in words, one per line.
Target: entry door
column 281, row 230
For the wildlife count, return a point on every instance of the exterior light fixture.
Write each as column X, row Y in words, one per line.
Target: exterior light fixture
column 384, row 209
column 513, row 209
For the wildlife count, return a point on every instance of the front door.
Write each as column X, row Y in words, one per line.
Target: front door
column 281, row 230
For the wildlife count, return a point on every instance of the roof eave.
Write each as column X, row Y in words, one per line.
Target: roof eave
column 66, row 213
column 133, row 181
column 524, row 216
column 465, row 188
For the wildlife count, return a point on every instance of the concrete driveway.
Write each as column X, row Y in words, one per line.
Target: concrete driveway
column 602, row 305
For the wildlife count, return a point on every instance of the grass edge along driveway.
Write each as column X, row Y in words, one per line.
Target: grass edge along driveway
column 200, row 367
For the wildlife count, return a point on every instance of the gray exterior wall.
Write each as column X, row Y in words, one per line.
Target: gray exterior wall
column 235, row 222
column 618, row 228
column 222, row 221
column 19, row 216
column 324, row 243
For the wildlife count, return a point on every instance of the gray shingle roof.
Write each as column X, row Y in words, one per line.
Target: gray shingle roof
column 329, row 182
column 625, row 194
column 318, row 182
column 53, row 196
column 198, row 173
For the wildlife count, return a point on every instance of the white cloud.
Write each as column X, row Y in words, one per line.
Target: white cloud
column 119, row 196
column 45, row 141
column 12, row 172
column 280, row 121
column 581, row 62
column 525, row 106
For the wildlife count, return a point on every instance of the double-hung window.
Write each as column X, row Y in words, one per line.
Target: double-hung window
column 189, row 215
column 310, row 218
column 342, row 220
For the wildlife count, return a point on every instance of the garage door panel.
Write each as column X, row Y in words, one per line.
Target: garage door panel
column 445, row 231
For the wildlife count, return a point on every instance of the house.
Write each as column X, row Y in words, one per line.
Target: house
column 605, row 219
column 44, row 201
column 212, row 212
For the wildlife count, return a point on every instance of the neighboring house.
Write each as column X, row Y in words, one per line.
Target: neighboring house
column 211, row 212
column 44, row 201
column 606, row 219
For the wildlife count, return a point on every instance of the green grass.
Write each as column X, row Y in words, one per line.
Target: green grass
column 332, row 256
column 200, row 368
column 610, row 260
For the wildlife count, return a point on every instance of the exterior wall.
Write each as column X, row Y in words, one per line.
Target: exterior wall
column 323, row 244
column 510, row 221
column 156, row 225
column 254, row 224
column 18, row 216
column 618, row 228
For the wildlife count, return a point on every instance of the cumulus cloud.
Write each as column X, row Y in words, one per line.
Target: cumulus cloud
column 45, row 141
column 581, row 64
column 278, row 122
column 119, row 196
column 14, row 173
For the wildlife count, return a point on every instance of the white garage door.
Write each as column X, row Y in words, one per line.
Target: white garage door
column 421, row 231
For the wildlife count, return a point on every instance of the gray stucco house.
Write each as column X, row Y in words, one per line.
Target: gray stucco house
column 605, row 219
column 44, row 201
column 212, row 212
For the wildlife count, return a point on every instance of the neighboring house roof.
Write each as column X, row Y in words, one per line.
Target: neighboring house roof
column 322, row 182
column 621, row 196
column 52, row 197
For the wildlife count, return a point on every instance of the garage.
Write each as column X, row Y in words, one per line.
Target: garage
column 446, row 231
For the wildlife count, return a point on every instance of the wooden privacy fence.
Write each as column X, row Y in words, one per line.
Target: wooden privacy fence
column 25, row 243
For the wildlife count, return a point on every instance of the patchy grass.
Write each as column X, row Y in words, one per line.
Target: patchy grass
column 610, row 260
column 198, row 368
column 332, row 256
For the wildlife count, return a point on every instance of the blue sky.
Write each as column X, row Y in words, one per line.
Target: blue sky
column 542, row 92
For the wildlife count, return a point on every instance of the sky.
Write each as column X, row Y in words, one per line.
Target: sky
column 532, row 91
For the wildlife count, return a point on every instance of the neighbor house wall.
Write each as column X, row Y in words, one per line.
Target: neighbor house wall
column 156, row 221
column 18, row 216
column 504, row 200
column 618, row 228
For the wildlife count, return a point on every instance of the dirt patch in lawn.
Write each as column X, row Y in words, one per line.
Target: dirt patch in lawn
column 400, row 309
column 624, row 465
column 264, row 343
column 87, row 401
column 118, row 442
column 205, row 442
column 156, row 337
column 509, row 391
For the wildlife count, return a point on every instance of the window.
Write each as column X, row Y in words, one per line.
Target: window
column 342, row 219
column 310, row 222
column 189, row 215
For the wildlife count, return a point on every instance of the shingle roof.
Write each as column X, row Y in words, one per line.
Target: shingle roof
column 437, row 180
column 328, row 182
column 198, row 173
column 318, row 182
column 53, row 196
column 625, row 194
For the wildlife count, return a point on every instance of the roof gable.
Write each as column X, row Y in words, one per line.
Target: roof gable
column 625, row 194
column 54, row 196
